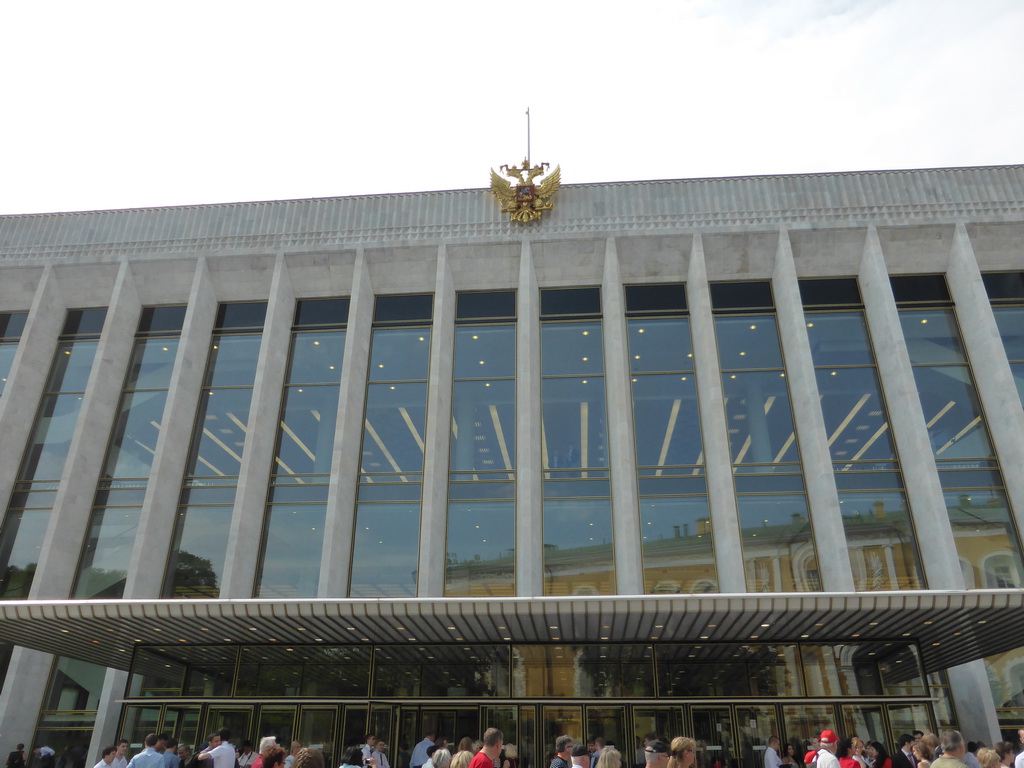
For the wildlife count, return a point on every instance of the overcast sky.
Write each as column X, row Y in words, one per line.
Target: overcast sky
column 140, row 103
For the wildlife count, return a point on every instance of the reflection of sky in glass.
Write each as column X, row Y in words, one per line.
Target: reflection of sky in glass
column 400, row 354
column 574, row 423
column 666, row 420
column 198, row 553
column 108, row 552
column 291, row 552
column 677, row 545
column 483, row 429
column 396, row 416
column 72, row 366
column 151, row 364
column 855, row 418
column 233, row 361
column 385, row 554
column 660, row 344
column 306, row 433
column 748, row 342
column 485, row 351
column 481, row 548
column 220, row 432
column 932, row 336
column 7, row 352
column 578, row 552
column 1010, row 321
column 55, row 426
column 316, row 357
column 571, row 349
column 758, row 417
column 839, row 338
column 952, row 413
column 133, row 442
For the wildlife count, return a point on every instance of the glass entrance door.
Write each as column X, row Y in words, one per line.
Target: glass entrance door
column 712, row 729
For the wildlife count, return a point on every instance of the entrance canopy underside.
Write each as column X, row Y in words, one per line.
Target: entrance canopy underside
column 950, row 628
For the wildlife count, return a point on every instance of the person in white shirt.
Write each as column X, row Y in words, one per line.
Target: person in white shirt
column 827, row 753
column 246, row 756
column 1019, row 760
column 120, row 761
column 109, row 753
column 220, row 750
column 771, row 754
column 380, row 754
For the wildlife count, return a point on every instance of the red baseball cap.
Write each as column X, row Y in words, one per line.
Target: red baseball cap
column 828, row 737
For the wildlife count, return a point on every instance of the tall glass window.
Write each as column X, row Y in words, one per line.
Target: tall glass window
column 28, row 513
column 122, row 487
column 11, row 326
column 778, row 547
column 480, row 550
column 986, row 538
column 876, row 520
column 293, row 531
column 385, row 552
column 199, row 544
column 1006, row 292
column 579, row 557
column 675, row 524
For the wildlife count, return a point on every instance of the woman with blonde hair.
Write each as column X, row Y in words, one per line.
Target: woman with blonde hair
column 682, row 752
column 610, row 758
column 461, row 759
column 989, row 758
column 511, row 756
column 442, row 758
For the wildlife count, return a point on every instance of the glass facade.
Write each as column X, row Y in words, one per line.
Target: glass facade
column 385, row 552
column 11, row 326
column 986, row 538
column 778, row 547
column 199, row 543
column 675, row 524
column 31, row 505
column 1006, row 292
column 579, row 556
column 107, row 553
column 876, row 519
column 481, row 536
column 297, row 506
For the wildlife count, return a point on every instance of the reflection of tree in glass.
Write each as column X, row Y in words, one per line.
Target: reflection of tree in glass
column 194, row 575
column 100, row 582
column 16, row 581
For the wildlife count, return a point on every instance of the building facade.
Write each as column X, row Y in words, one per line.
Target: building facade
column 731, row 457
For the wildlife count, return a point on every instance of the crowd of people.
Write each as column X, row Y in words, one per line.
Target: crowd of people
column 913, row 750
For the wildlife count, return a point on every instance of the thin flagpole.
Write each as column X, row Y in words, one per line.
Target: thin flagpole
column 527, row 136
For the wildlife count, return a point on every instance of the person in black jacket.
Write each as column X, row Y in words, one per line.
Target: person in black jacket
column 904, row 756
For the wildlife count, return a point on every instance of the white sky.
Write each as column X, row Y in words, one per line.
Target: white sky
column 142, row 103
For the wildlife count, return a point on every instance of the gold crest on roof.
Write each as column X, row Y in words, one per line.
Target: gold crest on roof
column 526, row 201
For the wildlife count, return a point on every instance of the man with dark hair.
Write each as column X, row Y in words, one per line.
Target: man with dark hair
column 220, row 750
column 595, row 744
column 107, row 758
column 488, row 754
column 369, row 742
column 904, row 755
column 563, row 752
column 171, row 759
column 120, row 761
column 149, row 757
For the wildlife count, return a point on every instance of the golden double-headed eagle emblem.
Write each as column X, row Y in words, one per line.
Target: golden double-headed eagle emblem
column 525, row 201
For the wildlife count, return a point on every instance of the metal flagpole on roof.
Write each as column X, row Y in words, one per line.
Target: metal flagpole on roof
column 527, row 136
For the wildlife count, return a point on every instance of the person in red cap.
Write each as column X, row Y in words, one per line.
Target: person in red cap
column 827, row 754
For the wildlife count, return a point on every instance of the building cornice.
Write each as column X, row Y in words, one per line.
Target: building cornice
column 832, row 200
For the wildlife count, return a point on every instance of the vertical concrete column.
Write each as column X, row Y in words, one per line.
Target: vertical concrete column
column 159, row 507
column 629, row 567
column 27, row 379
column 22, row 695
column 68, row 526
column 826, row 521
column 336, row 558
column 246, row 532
column 437, row 438
column 108, row 711
column 972, row 697
column 725, row 524
column 906, row 420
column 992, row 374
column 529, row 469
